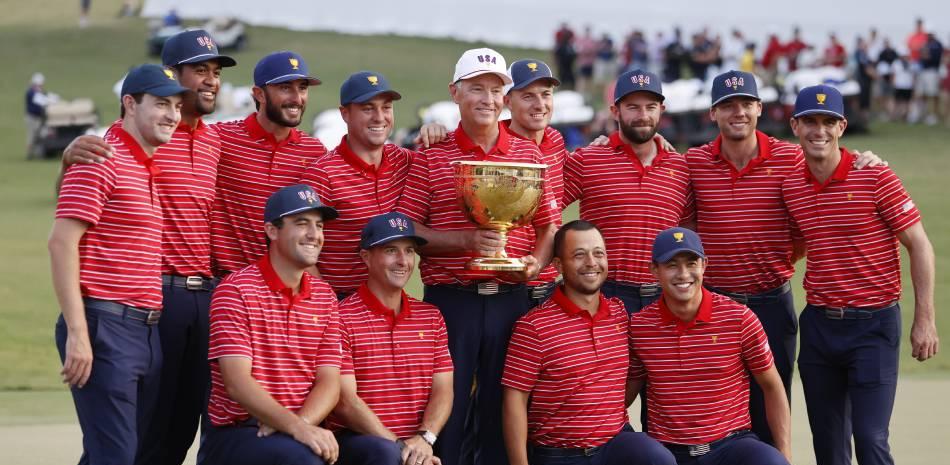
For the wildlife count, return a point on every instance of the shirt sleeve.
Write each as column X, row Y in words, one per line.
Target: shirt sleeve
column 315, row 177
column 523, row 363
column 328, row 354
column 346, row 350
column 637, row 370
column 756, row 353
column 443, row 360
column 230, row 333
column 416, row 195
column 689, row 208
column 894, row 203
column 85, row 191
column 573, row 177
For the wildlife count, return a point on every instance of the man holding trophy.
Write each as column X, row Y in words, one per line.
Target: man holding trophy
column 476, row 197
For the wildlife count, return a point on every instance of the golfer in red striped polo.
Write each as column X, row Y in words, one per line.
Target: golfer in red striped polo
column 397, row 373
column 566, row 369
column 695, row 350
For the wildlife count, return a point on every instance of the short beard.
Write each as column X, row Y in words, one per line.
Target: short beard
column 274, row 114
column 633, row 136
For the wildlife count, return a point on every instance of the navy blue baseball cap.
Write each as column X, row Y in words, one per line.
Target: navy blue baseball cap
column 819, row 100
column 361, row 87
column 193, row 47
column 674, row 241
column 734, row 84
column 281, row 67
column 295, row 199
column 152, row 79
column 388, row 227
column 637, row 80
column 524, row 72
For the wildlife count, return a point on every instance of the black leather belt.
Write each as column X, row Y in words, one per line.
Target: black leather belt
column 542, row 290
column 642, row 290
column 850, row 313
column 771, row 295
column 566, row 451
column 486, row 287
column 192, row 283
column 696, row 450
column 149, row 317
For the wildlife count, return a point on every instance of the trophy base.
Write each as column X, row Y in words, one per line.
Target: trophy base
column 495, row 264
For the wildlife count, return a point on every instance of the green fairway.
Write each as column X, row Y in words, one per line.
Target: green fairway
column 41, row 36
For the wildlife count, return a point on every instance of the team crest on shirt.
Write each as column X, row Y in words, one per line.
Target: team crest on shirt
column 640, row 79
column 422, row 335
column 768, row 172
column 373, row 80
column 672, row 173
column 533, row 67
column 169, row 73
column 308, row 196
column 206, row 42
column 294, row 63
column 821, row 98
column 735, row 82
column 316, row 320
column 715, row 338
column 850, row 195
column 678, row 236
column 399, row 223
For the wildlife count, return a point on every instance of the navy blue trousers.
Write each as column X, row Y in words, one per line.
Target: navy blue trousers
column 742, row 449
column 116, row 404
column 239, row 445
column 185, row 384
column 781, row 327
column 479, row 327
column 365, row 449
column 626, row 448
column 849, row 376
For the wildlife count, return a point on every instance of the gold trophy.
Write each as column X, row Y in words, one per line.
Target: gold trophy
column 499, row 196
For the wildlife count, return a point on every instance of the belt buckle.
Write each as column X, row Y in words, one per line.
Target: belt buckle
column 834, row 313
column 487, row 288
column 194, row 283
column 590, row 451
column 153, row 317
column 698, row 450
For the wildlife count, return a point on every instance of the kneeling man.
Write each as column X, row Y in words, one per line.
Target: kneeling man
column 396, row 377
column 566, row 369
column 694, row 349
column 275, row 346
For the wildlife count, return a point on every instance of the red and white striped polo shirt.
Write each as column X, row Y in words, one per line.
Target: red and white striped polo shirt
column 740, row 215
column 850, row 223
column 393, row 357
column 253, row 166
column 287, row 336
column 358, row 191
column 120, row 253
column 553, row 154
column 429, row 198
column 629, row 202
column 574, row 366
column 697, row 372
column 189, row 165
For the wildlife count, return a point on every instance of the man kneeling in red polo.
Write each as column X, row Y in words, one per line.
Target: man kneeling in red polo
column 566, row 369
column 695, row 349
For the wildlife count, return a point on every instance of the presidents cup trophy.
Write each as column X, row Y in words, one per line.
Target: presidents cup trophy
column 499, row 196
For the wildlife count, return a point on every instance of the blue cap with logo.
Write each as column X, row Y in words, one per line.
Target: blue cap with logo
column 193, row 47
column 524, row 72
column 361, row 87
column 673, row 241
column 295, row 199
column 819, row 100
column 388, row 227
column 152, row 79
column 734, row 84
column 638, row 80
column 281, row 67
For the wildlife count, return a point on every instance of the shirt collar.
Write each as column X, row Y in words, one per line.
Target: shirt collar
column 256, row 131
column 704, row 314
column 466, row 145
column 569, row 307
column 136, row 149
column 360, row 165
column 199, row 128
column 546, row 144
column 840, row 173
column 275, row 284
column 765, row 152
column 378, row 308
column 616, row 142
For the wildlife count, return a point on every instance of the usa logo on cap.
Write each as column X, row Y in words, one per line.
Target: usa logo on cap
column 640, row 79
column 399, row 223
column 735, row 82
column 206, row 41
column 308, row 196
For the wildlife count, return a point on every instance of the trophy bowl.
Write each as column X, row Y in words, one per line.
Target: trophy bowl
column 499, row 196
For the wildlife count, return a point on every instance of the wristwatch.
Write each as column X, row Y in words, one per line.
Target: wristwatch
column 428, row 436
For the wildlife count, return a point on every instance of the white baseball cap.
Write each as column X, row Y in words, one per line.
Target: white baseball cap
column 478, row 61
